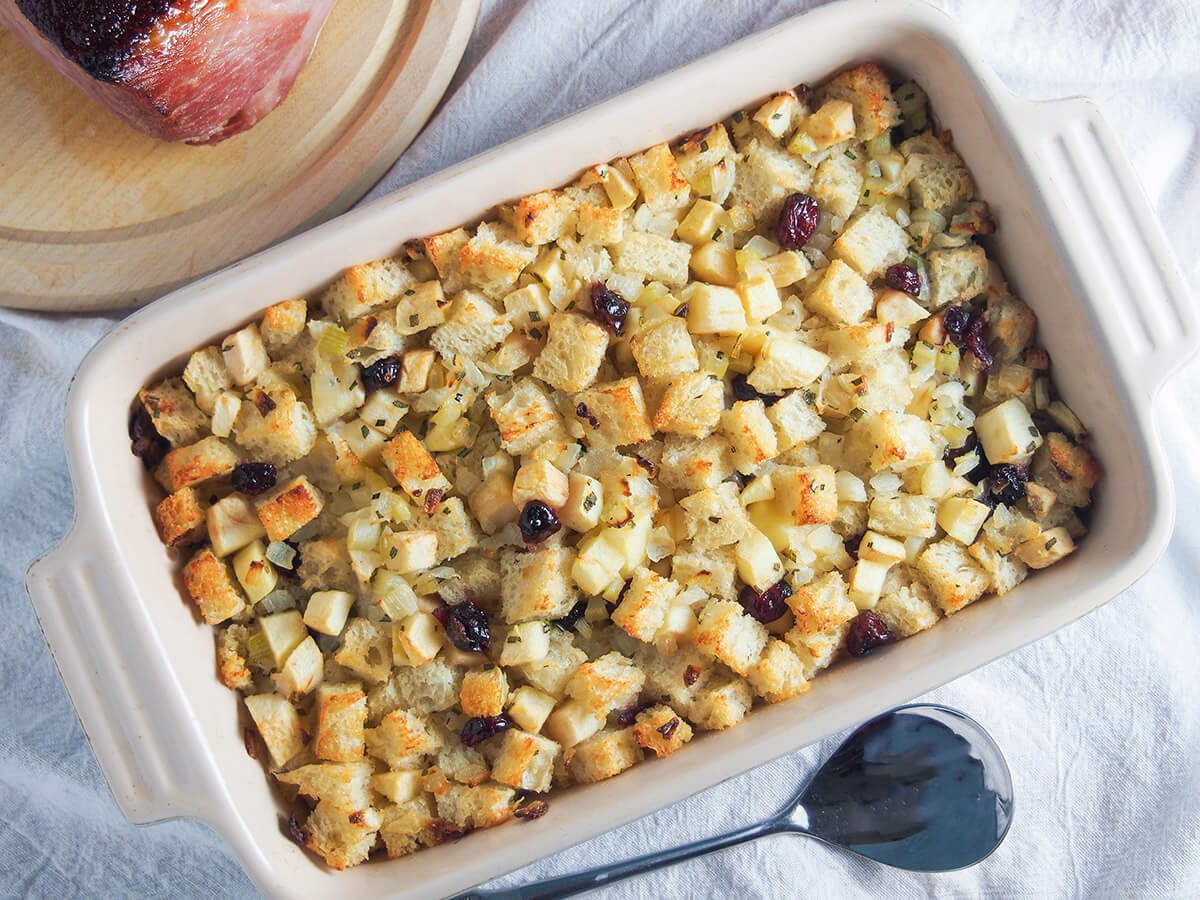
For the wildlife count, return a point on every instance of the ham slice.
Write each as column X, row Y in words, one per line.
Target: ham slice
column 181, row 70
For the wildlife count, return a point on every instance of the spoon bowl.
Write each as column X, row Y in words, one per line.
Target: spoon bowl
column 921, row 787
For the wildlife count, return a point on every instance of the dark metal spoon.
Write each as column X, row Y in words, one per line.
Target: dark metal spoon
column 922, row 787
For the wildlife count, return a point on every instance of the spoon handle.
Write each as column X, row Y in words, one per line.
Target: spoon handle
column 569, row 885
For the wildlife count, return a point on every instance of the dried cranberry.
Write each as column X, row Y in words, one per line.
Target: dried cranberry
column 953, row 455
column 690, row 674
column 628, row 715
column 147, row 444
column 769, row 605
column 538, row 522
column 975, row 340
column 466, row 625
column 571, row 619
column 867, row 631
column 1007, row 483
column 668, row 728
column 743, row 390
column 253, row 478
column 955, row 320
column 609, row 306
column 797, row 221
column 381, row 374
column 903, row 277
column 479, row 729
column 535, row 809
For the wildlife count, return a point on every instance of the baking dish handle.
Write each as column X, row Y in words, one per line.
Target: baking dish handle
column 100, row 641
column 1092, row 193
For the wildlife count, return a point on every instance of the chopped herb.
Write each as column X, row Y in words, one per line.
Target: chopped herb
column 414, row 319
column 365, row 431
column 857, row 382
column 409, row 292
column 666, row 698
column 717, row 234
column 1031, row 446
column 464, row 452
column 714, row 519
column 738, row 116
column 392, row 553
column 399, row 404
column 589, row 501
column 850, row 153
column 356, row 486
column 704, row 146
column 512, row 640
column 1050, row 543
column 535, row 316
column 809, row 397
column 720, row 354
column 856, row 413
column 379, row 423
column 1033, row 430
column 535, row 333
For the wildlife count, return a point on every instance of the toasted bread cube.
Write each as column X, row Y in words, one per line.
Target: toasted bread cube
column 279, row 724
column 444, row 250
column 526, row 642
column 961, row 518
column 603, row 755
column 644, row 609
column 662, row 183
column 399, row 786
column 722, row 705
column 700, row 152
column 344, row 785
column 455, row 530
column 837, row 185
column 289, row 508
column 244, row 355
column 410, row 551
column 872, row 242
column 572, row 722
column 573, row 353
column 891, row 440
column 342, row 714
column 286, row 432
column 692, row 465
column 484, row 692
column 660, row 730
column 174, row 412
column 664, row 349
column 730, row 635
column 806, row 496
column 482, row 806
column 600, row 224
column 907, row 610
column 492, row 260
column 542, row 217
column 831, row 124
column 417, row 640
column 530, row 708
column 367, row 649
column 526, row 417
column 1067, row 469
column 939, row 178
column 714, row 310
column 551, row 673
column 327, row 611
column 606, row 683
column 880, row 548
column 952, row 575
column 620, row 409
column 472, row 328
column 653, row 257
column 866, row 87
column 821, row 605
column 714, row 517
column 715, row 263
column 585, row 496
column 412, row 466
column 1005, row 572
column 795, row 421
column 254, row 571
column 180, row 519
column 954, row 275
column 536, row 585
column 776, row 114
column 282, row 323
column 691, row 405
column 750, row 434
column 778, row 675
column 196, row 463
column 401, row 739
column 711, row 570
column 342, row 837
column 303, row 670
column 783, row 363
column 1011, row 326
column 841, row 295
column 525, row 761
column 206, row 377
column 764, row 178
column 1046, row 549
column 757, row 562
column 1007, row 433
column 212, row 588
column 904, row 515
column 365, row 287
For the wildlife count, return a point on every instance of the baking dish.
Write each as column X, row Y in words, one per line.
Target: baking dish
column 1076, row 238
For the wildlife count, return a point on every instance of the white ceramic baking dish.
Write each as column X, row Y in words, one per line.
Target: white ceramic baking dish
column 1076, row 238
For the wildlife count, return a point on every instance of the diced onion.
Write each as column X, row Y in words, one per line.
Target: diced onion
column 276, row 602
column 281, row 554
column 259, row 649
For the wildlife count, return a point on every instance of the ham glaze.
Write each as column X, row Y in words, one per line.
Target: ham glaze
column 181, row 70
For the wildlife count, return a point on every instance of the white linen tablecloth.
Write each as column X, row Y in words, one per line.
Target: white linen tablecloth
column 1100, row 722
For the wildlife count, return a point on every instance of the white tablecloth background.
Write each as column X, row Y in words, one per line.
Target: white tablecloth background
column 1100, row 722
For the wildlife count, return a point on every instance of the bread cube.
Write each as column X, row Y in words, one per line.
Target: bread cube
column 907, row 610
column 342, row 713
column 831, row 124
column 604, row 755
column 953, row 576
column 472, row 328
column 412, row 466
column 536, row 585
column 751, row 436
column 662, row 183
column 617, row 180
column 778, row 674
column 730, row 635
column 698, row 154
column 606, row 683
column 653, row 257
column 367, row 649
column 526, row 417
column 619, row 408
column 783, row 363
column 821, row 605
column 757, row 562
column 872, row 242
column 525, row 761
column 961, row 518
column 837, row 185
column 722, row 705
column 302, row 671
column 432, row 687
column 197, row 463
column 711, row 570
column 402, row 739
column 417, row 640
column 289, row 508
column 492, row 260
column 660, row 730
column 344, row 785
column 552, row 672
column 956, row 275
column 572, row 722
column 180, row 519
column 255, row 572
column 939, row 179
column 903, row 515
column 1007, row 433
column 282, row 323
column 573, row 353
column 542, row 217
column 455, row 530
column 867, row 88
column 484, row 692
column 841, row 295
column 806, row 496
column 891, row 440
column 714, row 310
column 1010, row 325
column 691, row 405
column 279, row 725
column 643, row 610
column 692, row 465
column 1005, row 572
column 795, row 421
column 664, row 349
column 1067, row 469
column 600, row 224
column 444, row 251
column 212, row 588
column 714, row 517
column 206, row 377
column 285, row 432
column 366, row 287
column 174, row 412
column 764, row 178
column 1046, row 549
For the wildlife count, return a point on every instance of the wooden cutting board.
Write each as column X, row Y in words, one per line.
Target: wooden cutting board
column 96, row 215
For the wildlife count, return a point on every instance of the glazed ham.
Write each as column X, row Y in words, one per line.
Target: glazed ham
column 181, row 70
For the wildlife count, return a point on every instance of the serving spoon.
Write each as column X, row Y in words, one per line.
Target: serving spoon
column 921, row 787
